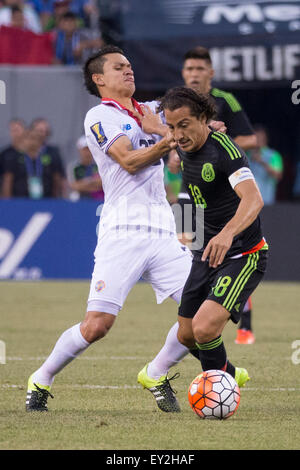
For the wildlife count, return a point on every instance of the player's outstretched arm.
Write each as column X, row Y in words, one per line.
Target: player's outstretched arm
column 135, row 160
column 246, row 142
column 249, row 207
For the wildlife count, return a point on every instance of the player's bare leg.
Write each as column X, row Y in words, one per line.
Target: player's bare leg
column 185, row 332
column 70, row 345
column 96, row 325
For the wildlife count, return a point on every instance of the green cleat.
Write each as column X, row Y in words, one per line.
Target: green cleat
column 161, row 390
column 241, row 376
column 37, row 396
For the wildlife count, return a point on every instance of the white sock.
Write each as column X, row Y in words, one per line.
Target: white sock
column 70, row 344
column 171, row 353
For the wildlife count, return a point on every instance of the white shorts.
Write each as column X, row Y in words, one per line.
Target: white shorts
column 121, row 262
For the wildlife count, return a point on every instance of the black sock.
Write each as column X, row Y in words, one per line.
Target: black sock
column 246, row 320
column 213, row 356
column 230, row 369
column 195, row 352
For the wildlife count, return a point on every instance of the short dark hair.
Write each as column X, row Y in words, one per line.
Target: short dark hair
column 17, row 120
column 199, row 104
column 15, row 9
column 37, row 120
column 198, row 52
column 69, row 15
column 94, row 64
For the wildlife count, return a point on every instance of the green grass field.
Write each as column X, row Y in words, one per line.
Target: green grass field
column 98, row 403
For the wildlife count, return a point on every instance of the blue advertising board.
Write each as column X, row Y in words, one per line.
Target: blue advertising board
column 48, row 239
column 56, row 239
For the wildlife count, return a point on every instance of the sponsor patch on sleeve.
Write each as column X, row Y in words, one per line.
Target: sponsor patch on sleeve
column 240, row 175
column 98, row 132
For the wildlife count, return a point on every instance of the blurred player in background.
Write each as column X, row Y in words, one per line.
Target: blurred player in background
column 266, row 165
column 43, row 130
column 197, row 73
column 31, row 171
column 17, row 129
column 137, row 233
column 232, row 261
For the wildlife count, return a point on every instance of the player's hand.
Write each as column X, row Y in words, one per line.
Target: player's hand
column 151, row 122
column 169, row 139
column 217, row 248
column 218, row 126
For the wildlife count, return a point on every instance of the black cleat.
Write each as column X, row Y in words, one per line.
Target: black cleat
column 37, row 396
column 161, row 390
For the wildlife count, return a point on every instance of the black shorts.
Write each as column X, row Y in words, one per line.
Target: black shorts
column 230, row 285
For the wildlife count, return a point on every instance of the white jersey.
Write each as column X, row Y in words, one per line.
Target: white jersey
column 135, row 200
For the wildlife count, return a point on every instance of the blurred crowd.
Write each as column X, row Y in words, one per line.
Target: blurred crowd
column 32, row 168
column 59, row 31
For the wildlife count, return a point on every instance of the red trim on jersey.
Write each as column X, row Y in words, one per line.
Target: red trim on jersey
column 256, row 247
column 116, row 104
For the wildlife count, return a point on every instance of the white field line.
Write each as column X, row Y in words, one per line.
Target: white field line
column 80, row 386
column 93, row 358
column 122, row 387
column 85, row 358
column 128, row 387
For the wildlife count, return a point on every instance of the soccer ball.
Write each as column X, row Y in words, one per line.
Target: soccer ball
column 214, row 395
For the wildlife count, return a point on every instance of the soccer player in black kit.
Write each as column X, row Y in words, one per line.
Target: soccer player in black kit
column 232, row 261
column 197, row 73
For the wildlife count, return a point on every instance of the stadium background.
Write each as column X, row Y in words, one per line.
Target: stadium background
column 255, row 49
column 98, row 405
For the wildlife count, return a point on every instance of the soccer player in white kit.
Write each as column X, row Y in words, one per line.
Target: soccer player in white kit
column 137, row 233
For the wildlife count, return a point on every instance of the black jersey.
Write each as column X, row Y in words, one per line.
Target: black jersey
column 206, row 175
column 231, row 113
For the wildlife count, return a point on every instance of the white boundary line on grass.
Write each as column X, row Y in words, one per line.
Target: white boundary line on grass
column 126, row 387
column 94, row 358
column 86, row 358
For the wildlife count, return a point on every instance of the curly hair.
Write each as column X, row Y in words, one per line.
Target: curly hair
column 94, row 64
column 199, row 104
